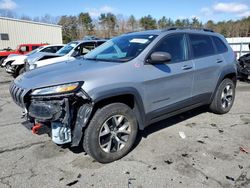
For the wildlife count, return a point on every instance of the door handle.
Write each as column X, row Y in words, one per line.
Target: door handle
column 186, row 67
column 219, row 61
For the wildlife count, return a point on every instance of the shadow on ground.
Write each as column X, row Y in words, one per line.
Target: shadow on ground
column 153, row 128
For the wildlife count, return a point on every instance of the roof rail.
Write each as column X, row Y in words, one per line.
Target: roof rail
column 188, row 27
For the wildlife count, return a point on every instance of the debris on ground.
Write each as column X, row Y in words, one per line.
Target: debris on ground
column 129, row 182
column 240, row 167
column 154, row 168
column 244, row 150
column 230, row 178
column 61, row 179
column 184, row 155
column 191, row 125
column 201, row 141
column 221, row 130
column 72, row 183
column 79, row 176
column 168, row 161
column 213, row 125
column 182, row 135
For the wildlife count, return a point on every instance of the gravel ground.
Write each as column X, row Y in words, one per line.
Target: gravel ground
column 209, row 155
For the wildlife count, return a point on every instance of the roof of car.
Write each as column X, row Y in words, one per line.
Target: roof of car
column 98, row 40
column 177, row 29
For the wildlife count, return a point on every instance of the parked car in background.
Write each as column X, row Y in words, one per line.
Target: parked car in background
column 14, row 64
column 243, row 67
column 68, row 52
column 21, row 50
column 126, row 84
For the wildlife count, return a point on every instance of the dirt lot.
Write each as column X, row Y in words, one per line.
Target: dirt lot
column 209, row 156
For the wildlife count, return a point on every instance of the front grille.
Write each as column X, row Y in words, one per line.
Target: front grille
column 17, row 94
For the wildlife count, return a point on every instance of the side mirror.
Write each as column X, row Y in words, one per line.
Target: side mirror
column 76, row 53
column 159, row 57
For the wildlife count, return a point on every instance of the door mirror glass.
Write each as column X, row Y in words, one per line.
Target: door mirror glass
column 160, row 57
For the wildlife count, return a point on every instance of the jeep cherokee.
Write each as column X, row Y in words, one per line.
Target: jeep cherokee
column 126, row 84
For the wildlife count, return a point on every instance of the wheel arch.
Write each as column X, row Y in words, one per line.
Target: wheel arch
column 128, row 96
column 231, row 74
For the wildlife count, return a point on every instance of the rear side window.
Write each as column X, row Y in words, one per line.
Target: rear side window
column 35, row 47
column 220, row 45
column 51, row 49
column 100, row 43
column 201, row 45
column 175, row 45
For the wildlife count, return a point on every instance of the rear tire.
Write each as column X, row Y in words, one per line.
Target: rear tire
column 111, row 133
column 224, row 97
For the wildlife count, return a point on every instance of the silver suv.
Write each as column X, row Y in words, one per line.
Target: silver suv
column 126, row 84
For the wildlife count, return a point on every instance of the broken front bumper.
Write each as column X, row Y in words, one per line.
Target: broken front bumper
column 10, row 69
column 65, row 115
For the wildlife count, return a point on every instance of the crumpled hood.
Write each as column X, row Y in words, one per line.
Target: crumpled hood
column 60, row 73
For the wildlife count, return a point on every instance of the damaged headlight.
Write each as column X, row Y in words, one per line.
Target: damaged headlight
column 64, row 88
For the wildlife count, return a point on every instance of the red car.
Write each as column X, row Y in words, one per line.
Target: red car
column 21, row 50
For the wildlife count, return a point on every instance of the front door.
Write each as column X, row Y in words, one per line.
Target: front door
column 168, row 86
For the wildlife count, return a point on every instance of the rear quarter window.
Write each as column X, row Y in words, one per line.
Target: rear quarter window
column 201, row 45
column 34, row 47
column 220, row 45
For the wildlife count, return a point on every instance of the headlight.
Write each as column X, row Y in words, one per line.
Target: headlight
column 56, row 89
column 32, row 66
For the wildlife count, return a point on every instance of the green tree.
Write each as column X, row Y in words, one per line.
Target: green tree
column 163, row 23
column 85, row 21
column 69, row 28
column 132, row 22
column 196, row 23
column 147, row 22
column 108, row 22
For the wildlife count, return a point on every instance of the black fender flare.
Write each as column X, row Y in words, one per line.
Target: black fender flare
column 138, row 102
column 224, row 73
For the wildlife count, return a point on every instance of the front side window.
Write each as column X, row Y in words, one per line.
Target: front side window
column 221, row 47
column 35, row 50
column 86, row 47
column 24, row 48
column 175, row 45
column 67, row 48
column 201, row 45
column 51, row 49
column 121, row 49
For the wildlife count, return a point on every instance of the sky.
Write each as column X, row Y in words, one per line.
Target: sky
column 217, row 10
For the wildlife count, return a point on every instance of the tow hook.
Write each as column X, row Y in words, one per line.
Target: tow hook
column 36, row 127
column 40, row 129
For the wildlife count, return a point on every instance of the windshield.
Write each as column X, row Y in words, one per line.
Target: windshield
column 34, row 51
column 66, row 49
column 121, row 49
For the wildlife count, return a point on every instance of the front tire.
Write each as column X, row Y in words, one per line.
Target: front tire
column 111, row 133
column 18, row 72
column 224, row 97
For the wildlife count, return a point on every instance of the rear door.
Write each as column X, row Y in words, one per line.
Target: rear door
column 208, row 65
column 168, row 86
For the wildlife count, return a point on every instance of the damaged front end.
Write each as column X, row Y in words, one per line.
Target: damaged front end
column 61, row 111
column 244, row 66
